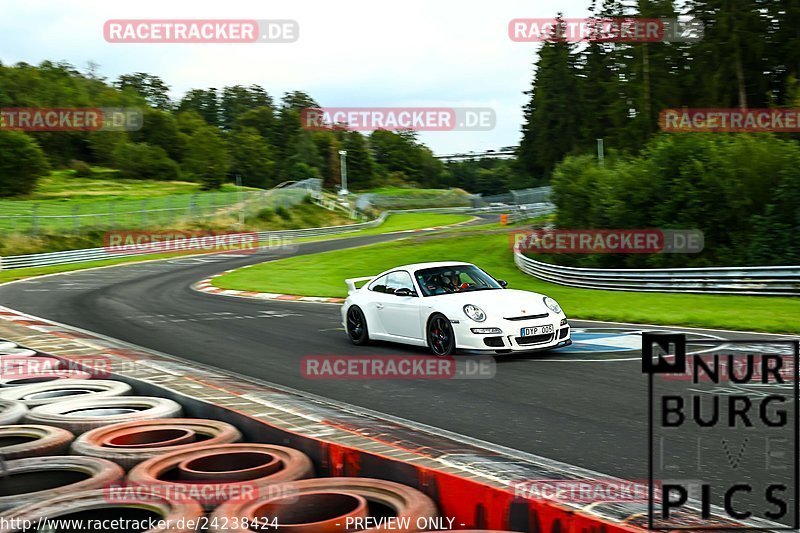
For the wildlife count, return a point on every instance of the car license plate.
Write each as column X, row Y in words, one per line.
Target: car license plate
column 528, row 332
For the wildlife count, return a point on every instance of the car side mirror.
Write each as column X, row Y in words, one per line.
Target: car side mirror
column 503, row 283
column 403, row 291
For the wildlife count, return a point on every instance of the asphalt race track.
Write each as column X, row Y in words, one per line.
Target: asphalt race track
column 586, row 405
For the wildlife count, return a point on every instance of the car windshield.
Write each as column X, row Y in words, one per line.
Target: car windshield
column 450, row 279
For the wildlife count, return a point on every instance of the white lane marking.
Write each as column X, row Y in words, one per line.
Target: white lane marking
column 201, row 317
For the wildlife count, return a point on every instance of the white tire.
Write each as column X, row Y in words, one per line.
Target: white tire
column 64, row 389
column 177, row 514
column 11, row 412
column 18, row 352
column 82, row 415
column 7, row 345
column 42, row 478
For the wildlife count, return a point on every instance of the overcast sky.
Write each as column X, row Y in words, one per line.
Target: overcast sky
column 352, row 53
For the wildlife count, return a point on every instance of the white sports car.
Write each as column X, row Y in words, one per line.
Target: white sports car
column 451, row 306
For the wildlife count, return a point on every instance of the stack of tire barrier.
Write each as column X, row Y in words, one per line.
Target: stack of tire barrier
column 23, row 366
column 89, row 449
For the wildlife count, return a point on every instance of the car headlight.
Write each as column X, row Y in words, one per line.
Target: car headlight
column 474, row 312
column 552, row 304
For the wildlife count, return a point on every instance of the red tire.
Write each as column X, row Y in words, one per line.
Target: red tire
column 240, row 461
column 86, row 505
column 404, row 501
column 130, row 443
column 42, row 478
column 36, row 441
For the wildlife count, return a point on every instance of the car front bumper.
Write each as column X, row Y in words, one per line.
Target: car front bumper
column 510, row 339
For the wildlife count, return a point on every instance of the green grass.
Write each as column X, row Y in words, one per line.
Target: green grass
column 408, row 221
column 414, row 192
column 300, row 215
column 398, row 222
column 103, row 201
column 411, row 221
column 411, row 198
column 324, row 274
column 393, row 223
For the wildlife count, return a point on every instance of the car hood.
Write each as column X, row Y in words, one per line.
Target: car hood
column 496, row 303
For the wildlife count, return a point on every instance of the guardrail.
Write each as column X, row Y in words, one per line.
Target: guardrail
column 264, row 237
column 763, row 281
column 96, row 254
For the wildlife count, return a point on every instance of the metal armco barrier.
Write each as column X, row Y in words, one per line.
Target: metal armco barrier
column 266, row 238
column 764, row 281
column 95, row 254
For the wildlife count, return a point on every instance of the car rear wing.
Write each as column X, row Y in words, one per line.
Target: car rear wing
column 351, row 283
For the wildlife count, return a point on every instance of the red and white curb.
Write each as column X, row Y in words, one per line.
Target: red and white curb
column 206, row 287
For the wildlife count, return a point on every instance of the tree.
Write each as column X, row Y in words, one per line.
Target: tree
column 204, row 102
column 102, row 145
column 741, row 191
column 298, row 100
column 251, row 158
column 160, row 128
column 360, row 168
column 150, row 87
column 144, row 162
column 551, row 116
column 207, row 158
column 238, row 100
column 728, row 64
column 22, row 163
column 261, row 119
column 397, row 152
column 304, row 151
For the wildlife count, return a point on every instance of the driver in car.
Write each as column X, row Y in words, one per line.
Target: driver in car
column 453, row 282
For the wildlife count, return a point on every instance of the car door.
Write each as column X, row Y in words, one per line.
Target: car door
column 399, row 313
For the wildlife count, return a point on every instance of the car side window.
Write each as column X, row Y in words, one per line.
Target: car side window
column 399, row 280
column 379, row 285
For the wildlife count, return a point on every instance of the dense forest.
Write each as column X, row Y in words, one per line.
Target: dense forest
column 742, row 190
column 209, row 135
column 748, row 57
